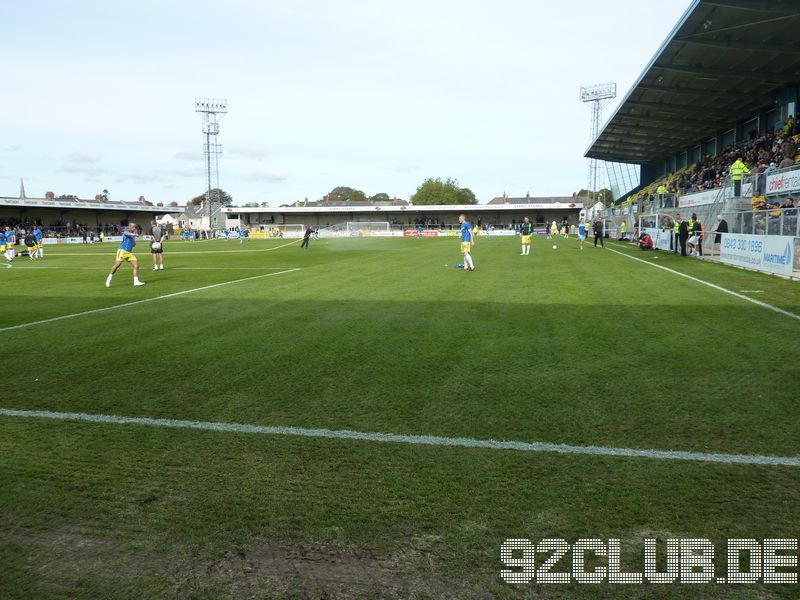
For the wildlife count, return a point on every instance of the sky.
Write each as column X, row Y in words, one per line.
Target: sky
column 370, row 94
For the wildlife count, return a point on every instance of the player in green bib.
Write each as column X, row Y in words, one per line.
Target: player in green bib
column 525, row 232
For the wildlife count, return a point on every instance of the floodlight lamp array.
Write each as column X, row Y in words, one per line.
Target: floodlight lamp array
column 211, row 105
column 603, row 91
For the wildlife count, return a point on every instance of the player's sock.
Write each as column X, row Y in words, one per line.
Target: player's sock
column 108, row 280
column 137, row 282
column 161, row 267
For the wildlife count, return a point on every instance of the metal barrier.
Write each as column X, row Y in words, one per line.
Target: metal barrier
column 776, row 221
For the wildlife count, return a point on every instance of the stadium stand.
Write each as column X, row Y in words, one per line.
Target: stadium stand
column 723, row 86
column 70, row 217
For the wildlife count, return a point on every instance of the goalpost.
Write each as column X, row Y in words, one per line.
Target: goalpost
column 358, row 229
column 295, row 230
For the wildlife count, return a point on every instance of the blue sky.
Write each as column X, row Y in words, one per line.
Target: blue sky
column 370, row 94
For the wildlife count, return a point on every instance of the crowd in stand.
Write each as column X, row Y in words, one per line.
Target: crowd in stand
column 762, row 154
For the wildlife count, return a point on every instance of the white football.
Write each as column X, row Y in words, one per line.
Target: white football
column 554, row 246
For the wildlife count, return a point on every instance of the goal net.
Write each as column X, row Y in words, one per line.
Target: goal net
column 357, row 229
column 295, row 230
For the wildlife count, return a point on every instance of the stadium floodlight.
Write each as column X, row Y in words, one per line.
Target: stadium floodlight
column 219, row 106
column 603, row 91
column 212, row 109
column 596, row 96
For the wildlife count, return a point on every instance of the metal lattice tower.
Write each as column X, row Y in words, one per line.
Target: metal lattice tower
column 596, row 97
column 212, row 109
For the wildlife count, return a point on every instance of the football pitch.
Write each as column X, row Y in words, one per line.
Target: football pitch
column 364, row 420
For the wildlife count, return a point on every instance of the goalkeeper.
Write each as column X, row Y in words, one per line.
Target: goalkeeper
column 157, row 246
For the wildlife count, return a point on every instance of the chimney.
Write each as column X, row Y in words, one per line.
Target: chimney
column 49, row 195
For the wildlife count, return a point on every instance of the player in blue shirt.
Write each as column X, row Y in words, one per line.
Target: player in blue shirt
column 467, row 242
column 125, row 253
column 37, row 234
column 9, row 240
column 582, row 232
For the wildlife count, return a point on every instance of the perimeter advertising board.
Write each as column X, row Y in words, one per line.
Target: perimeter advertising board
column 768, row 253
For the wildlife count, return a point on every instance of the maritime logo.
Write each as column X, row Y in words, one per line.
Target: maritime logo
column 780, row 259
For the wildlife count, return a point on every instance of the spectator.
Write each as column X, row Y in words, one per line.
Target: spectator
column 597, row 230
column 788, row 128
column 788, row 149
column 697, row 233
column 722, row 227
column 758, row 203
column 646, row 242
column 683, row 235
column 737, row 170
column 676, row 224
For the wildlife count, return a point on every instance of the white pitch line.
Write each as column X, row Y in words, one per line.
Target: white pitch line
column 426, row 440
column 165, row 296
column 171, row 268
column 780, row 311
column 171, row 252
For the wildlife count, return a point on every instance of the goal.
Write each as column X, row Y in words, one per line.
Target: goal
column 357, row 229
column 295, row 230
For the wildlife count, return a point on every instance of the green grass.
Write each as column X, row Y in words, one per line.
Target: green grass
column 567, row 346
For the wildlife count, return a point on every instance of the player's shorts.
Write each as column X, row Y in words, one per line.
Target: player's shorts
column 466, row 247
column 526, row 240
column 581, row 236
column 124, row 255
column 160, row 249
column 39, row 244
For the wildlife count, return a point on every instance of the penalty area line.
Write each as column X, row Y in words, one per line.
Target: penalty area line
column 780, row 311
column 143, row 301
column 424, row 440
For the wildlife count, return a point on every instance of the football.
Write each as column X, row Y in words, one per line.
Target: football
column 554, row 246
column 156, row 245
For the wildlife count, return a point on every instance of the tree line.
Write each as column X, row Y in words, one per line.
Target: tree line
column 431, row 191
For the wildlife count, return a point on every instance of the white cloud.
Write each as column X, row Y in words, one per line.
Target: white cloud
column 146, row 176
column 83, row 158
column 79, row 169
column 189, row 171
column 266, row 177
column 190, row 155
column 251, row 152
